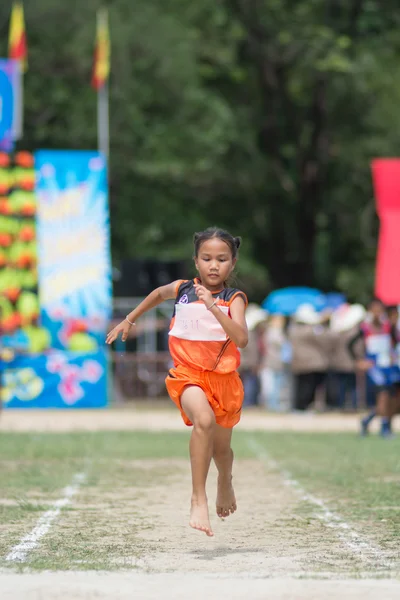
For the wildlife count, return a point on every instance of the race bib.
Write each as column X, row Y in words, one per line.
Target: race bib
column 194, row 322
column 383, row 361
column 379, row 346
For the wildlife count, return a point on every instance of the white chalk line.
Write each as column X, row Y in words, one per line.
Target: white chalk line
column 20, row 552
column 350, row 538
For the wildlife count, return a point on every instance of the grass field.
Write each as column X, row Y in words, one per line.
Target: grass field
column 131, row 509
column 88, row 510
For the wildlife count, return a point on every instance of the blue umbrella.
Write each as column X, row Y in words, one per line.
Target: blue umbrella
column 334, row 300
column 287, row 300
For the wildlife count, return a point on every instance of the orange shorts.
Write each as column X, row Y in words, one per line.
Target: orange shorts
column 224, row 392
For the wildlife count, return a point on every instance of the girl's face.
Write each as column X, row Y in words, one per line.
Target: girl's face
column 214, row 263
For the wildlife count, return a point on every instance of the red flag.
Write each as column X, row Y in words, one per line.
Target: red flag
column 101, row 66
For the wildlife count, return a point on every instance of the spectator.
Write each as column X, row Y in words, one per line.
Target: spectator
column 275, row 365
column 251, row 356
column 345, row 324
column 311, row 348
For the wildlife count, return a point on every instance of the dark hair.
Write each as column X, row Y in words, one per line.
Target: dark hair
column 376, row 300
column 392, row 308
column 215, row 232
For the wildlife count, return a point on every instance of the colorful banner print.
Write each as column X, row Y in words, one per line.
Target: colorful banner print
column 55, row 380
column 9, row 90
column 19, row 305
column 74, row 253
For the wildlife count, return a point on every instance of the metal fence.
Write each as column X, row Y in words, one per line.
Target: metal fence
column 140, row 375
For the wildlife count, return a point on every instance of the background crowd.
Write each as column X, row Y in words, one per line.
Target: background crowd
column 318, row 360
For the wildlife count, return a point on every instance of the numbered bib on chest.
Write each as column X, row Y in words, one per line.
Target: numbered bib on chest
column 380, row 347
column 194, row 322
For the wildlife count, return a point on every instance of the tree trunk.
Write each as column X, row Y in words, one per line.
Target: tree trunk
column 290, row 241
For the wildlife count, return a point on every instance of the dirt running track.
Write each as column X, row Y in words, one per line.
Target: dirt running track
column 264, row 552
column 138, row 586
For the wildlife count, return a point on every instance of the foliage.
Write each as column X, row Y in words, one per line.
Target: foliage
column 258, row 115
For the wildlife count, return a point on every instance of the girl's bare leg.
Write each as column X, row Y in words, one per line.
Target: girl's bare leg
column 223, row 458
column 195, row 404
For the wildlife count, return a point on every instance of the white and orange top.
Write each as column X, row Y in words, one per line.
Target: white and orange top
column 196, row 338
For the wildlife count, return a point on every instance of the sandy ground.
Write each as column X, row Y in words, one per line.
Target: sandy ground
column 268, row 550
column 262, row 538
column 272, row 534
column 165, row 417
column 132, row 585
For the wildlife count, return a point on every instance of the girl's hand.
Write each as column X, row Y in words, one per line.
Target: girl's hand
column 204, row 294
column 123, row 328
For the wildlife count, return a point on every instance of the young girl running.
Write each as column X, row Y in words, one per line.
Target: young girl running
column 207, row 328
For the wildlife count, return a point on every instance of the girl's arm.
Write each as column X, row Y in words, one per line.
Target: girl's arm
column 235, row 326
column 156, row 297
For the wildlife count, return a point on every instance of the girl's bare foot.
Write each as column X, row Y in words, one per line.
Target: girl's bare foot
column 199, row 517
column 226, row 501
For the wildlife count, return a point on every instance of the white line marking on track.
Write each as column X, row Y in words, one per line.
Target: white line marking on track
column 350, row 538
column 30, row 541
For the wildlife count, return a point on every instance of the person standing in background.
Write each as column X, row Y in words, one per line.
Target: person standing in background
column 274, row 363
column 311, row 349
column 345, row 324
column 252, row 355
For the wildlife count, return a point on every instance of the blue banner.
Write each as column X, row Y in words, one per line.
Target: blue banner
column 8, row 101
column 56, row 380
column 73, row 247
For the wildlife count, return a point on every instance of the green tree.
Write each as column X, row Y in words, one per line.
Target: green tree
column 314, row 74
column 258, row 115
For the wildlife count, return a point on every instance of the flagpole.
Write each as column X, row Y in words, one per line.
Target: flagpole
column 19, row 107
column 103, row 117
column 17, row 50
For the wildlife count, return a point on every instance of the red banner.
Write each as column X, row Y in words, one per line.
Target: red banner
column 386, row 179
